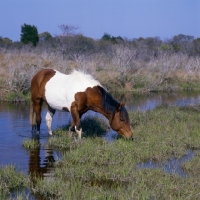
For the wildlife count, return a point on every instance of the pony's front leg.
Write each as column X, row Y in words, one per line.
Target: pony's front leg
column 73, row 128
column 79, row 132
column 76, row 121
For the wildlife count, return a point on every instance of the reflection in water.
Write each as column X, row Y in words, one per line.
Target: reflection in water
column 40, row 166
column 14, row 128
column 37, row 166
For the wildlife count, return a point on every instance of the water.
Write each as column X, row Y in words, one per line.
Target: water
column 171, row 166
column 152, row 100
column 15, row 127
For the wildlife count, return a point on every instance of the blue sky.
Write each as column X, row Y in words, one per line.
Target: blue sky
column 125, row 18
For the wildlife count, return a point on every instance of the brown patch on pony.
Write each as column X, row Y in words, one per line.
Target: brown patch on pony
column 38, row 94
column 39, row 81
column 98, row 100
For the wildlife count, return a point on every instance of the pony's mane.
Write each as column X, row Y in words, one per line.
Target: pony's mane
column 81, row 75
column 109, row 105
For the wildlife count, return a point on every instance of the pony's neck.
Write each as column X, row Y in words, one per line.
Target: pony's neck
column 109, row 116
column 106, row 105
column 98, row 109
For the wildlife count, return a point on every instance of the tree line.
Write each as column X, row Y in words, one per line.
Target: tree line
column 70, row 43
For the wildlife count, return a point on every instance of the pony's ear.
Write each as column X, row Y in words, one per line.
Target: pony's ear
column 123, row 104
column 119, row 106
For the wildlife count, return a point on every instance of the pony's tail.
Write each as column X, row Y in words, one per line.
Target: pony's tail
column 32, row 117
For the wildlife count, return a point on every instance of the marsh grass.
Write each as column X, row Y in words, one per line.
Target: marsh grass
column 91, row 126
column 31, row 144
column 193, row 166
column 10, row 179
column 94, row 168
column 100, row 170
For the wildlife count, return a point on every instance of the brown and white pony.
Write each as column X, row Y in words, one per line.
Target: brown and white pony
column 75, row 93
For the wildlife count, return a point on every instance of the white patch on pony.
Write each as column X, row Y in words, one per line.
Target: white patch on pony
column 49, row 117
column 60, row 90
column 79, row 132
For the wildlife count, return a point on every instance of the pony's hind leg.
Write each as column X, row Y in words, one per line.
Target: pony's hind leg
column 49, row 117
column 33, row 118
column 37, row 107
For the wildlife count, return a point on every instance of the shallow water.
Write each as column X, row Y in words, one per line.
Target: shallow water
column 171, row 166
column 15, row 127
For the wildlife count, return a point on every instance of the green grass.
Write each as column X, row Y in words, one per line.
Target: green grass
column 94, row 168
column 17, row 97
column 193, row 166
column 97, row 169
column 92, row 127
column 10, row 180
column 31, row 144
column 101, row 170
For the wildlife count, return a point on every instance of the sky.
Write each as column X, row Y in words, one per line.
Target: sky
column 126, row 18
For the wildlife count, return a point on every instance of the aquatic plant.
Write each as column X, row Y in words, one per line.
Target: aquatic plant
column 11, row 179
column 31, row 144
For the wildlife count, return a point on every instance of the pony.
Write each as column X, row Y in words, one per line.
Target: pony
column 76, row 93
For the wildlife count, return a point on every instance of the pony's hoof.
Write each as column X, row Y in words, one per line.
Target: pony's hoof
column 50, row 133
column 79, row 132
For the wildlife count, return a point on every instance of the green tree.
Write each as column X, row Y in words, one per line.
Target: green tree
column 196, row 44
column 114, row 40
column 29, row 34
column 45, row 36
column 182, row 43
column 106, row 36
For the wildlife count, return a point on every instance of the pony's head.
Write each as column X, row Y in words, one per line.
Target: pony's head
column 120, row 122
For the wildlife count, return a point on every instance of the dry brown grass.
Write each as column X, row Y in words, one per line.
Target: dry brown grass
column 146, row 75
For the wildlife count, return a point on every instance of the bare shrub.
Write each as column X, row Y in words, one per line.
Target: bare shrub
column 124, row 62
column 172, row 69
column 20, row 78
column 86, row 63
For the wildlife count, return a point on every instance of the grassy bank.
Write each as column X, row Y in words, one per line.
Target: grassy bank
column 97, row 169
